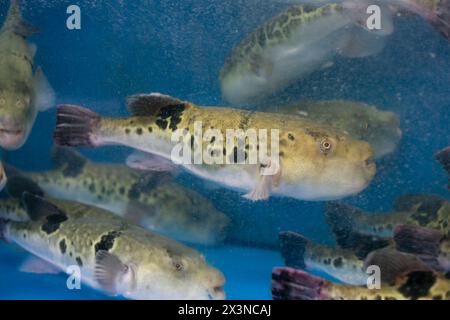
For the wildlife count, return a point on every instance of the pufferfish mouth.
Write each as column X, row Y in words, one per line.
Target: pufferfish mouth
column 15, row 131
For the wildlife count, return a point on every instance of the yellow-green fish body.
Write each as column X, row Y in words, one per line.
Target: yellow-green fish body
column 315, row 162
column 150, row 199
column 113, row 254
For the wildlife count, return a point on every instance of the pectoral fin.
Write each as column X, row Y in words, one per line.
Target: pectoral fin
column 113, row 275
column 269, row 178
column 45, row 95
column 394, row 264
column 149, row 162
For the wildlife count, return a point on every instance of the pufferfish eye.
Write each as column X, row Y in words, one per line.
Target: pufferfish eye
column 326, row 146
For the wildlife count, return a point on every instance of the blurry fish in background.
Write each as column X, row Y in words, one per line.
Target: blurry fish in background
column 362, row 122
column 350, row 265
column 341, row 264
column 412, row 209
column 307, row 37
column 403, row 277
column 294, row 44
column 22, row 94
column 114, row 255
column 443, row 157
column 315, row 162
column 149, row 199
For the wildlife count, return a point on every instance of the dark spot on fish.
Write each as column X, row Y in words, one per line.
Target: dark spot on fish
column 92, row 187
column 79, row 261
column 427, row 212
column 174, row 112
column 107, row 241
column 213, row 139
column 24, row 235
column 418, row 284
column 162, row 124
column 139, row 131
column 291, row 137
column 63, row 246
column 192, row 142
column 122, row 190
column 337, row 262
column 70, row 253
column 437, row 297
column 127, row 131
column 224, row 151
column 134, row 193
column 150, row 129
column 377, row 297
column 53, row 222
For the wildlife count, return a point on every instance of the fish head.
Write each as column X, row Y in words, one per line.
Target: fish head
column 331, row 166
column 17, row 114
column 381, row 129
column 180, row 274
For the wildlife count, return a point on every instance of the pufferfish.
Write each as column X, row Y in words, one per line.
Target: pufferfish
column 112, row 254
column 313, row 161
column 309, row 35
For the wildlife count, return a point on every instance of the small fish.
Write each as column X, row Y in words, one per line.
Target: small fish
column 363, row 122
column 114, row 256
column 149, row 199
column 341, row 264
column 315, row 162
column 443, row 157
column 408, row 279
column 22, row 94
column 413, row 209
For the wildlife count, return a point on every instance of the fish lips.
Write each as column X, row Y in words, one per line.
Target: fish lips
column 12, row 138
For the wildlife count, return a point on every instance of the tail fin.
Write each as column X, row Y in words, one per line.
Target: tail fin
column 293, row 248
column 394, row 264
column 422, row 242
column 74, row 126
column 16, row 23
column 292, row 284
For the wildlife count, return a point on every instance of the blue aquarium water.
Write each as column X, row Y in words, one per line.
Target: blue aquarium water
column 178, row 48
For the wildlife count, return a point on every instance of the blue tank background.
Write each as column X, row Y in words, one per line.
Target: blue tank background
column 178, row 48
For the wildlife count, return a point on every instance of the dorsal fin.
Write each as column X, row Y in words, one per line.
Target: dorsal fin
column 394, row 264
column 16, row 23
column 68, row 160
column 19, row 184
column 39, row 208
column 151, row 104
